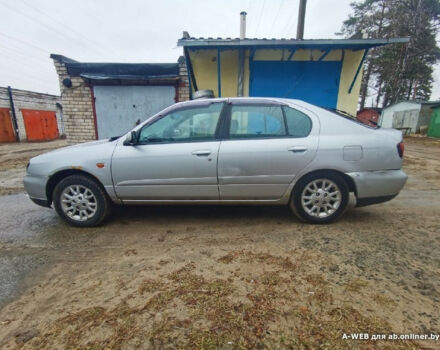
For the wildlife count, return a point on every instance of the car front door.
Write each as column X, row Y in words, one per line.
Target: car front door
column 174, row 158
column 267, row 146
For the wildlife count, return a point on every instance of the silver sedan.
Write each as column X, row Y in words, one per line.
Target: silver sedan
column 225, row 151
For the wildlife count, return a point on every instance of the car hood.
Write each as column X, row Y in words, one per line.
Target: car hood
column 81, row 146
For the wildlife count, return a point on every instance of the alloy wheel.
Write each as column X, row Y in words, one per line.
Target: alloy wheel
column 78, row 202
column 321, row 198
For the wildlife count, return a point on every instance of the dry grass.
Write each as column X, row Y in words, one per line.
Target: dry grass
column 248, row 256
column 283, row 306
column 356, row 285
column 384, row 300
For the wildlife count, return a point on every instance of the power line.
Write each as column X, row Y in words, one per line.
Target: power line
column 249, row 11
column 21, row 72
column 17, row 52
column 34, row 20
column 289, row 24
column 276, row 16
column 25, row 66
column 259, row 19
column 24, row 42
column 52, row 29
column 292, row 25
column 25, row 80
column 105, row 50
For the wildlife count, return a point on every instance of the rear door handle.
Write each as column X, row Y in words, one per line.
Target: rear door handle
column 297, row 149
column 201, row 152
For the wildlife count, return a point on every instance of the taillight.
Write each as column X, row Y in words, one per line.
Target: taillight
column 400, row 148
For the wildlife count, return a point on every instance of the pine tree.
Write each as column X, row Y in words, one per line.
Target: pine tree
column 397, row 72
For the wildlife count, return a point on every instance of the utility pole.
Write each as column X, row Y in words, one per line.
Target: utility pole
column 301, row 20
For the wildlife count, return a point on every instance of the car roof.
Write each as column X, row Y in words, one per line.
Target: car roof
column 244, row 99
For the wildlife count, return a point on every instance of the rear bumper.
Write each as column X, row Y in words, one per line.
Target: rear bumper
column 377, row 186
column 362, row 202
column 35, row 187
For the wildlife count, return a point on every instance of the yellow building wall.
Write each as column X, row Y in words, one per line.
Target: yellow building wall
column 348, row 101
column 204, row 63
column 247, row 74
column 229, row 72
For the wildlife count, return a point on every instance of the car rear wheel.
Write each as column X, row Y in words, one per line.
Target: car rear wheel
column 81, row 201
column 320, row 198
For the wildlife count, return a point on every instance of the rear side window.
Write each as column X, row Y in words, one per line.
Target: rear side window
column 251, row 121
column 298, row 124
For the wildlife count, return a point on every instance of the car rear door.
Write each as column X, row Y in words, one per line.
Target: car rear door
column 266, row 146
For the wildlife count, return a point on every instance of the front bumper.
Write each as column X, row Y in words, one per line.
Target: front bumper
column 377, row 186
column 35, row 187
column 42, row 202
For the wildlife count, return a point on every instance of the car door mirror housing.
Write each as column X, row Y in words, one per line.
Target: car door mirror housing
column 131, row 139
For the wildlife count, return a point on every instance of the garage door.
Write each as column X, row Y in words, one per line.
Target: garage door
column 316, row 82
column 40, row 125
column 118, row 108
column 6, row 130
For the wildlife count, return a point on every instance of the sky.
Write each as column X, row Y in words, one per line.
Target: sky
column 141, row 31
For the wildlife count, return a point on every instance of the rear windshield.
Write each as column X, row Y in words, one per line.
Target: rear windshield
column 348, row 116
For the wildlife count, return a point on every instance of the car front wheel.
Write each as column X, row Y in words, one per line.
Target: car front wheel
column 320, row 198
column 81, row 201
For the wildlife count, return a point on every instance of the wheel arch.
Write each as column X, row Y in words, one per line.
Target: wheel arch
column 55, row 178
column 350, row 182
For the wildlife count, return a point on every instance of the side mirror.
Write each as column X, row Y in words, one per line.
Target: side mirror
column 131, row 139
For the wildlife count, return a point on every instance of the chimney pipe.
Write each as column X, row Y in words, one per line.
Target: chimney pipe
column 301, row 18
column 243, row 25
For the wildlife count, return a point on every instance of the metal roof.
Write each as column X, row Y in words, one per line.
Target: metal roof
column 419, row 102
column 121, row 71
column 354, row 44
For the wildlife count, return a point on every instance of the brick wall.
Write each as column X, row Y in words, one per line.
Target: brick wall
column 24, row 99
column 77, row 104
column 183, row 87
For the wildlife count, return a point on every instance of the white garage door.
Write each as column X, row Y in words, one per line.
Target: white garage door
column 118, row 108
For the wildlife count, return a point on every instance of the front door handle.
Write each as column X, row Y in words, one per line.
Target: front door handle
column 201, row 152
column 297, row 149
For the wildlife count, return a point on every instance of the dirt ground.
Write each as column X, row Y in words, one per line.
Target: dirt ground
column 13, row 160
column 237, row 277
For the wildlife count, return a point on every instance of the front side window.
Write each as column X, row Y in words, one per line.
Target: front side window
column 184, row 125
column 251, row 121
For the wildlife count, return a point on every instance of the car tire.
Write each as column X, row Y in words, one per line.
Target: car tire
column 81, row 201
column 320, row 198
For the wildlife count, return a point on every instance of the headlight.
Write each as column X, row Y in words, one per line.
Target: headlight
column 27, row 166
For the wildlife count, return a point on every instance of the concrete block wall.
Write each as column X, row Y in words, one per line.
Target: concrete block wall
column 24, row 99
column 77, row 104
